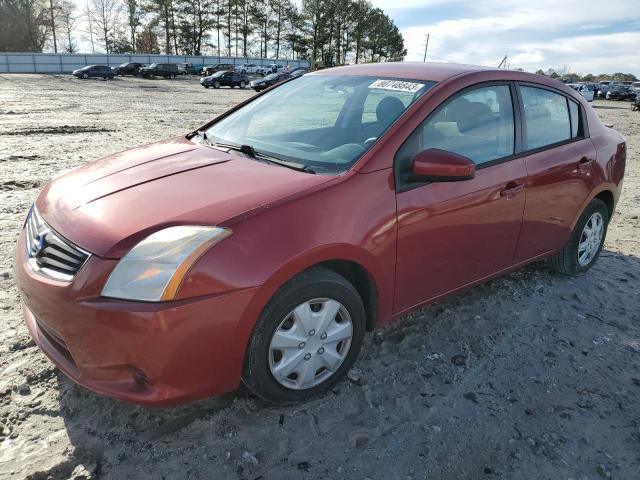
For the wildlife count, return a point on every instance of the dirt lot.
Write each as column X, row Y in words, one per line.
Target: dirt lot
column 533, row 375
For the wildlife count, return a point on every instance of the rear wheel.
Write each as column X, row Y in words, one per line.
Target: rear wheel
column 586, row 241
column 306, row 339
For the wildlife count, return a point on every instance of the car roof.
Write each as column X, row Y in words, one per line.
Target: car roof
column 414, row 70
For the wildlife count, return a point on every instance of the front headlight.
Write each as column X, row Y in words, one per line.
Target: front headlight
column 154, row 268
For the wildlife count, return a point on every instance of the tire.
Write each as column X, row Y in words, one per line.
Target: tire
column 85, row 76
column 216, row 84
column 568, row 260
column 331, row 291
column 206, row 86
column 243, row 84
column 243, row 71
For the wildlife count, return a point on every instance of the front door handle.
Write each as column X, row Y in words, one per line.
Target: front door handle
column 584, row 165
column 511, row 190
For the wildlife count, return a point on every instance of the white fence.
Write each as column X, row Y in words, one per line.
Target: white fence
column 67, row 62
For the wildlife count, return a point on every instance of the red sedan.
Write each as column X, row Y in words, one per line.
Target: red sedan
column 261, row 247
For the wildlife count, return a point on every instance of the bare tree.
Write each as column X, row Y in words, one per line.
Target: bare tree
column 134, row 15
column 105, row 16
column 67, row 21
column 52, row 13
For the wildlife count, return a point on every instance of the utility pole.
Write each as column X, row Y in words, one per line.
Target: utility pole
column 503, row 62
column 425, row 49
column 53, row 27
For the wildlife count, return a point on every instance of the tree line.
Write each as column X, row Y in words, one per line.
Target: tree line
column 565, row 74
column 328, row 32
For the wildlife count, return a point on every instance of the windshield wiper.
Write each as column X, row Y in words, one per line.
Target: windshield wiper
column 253, row 153
column 278, row 161
column 203, row 136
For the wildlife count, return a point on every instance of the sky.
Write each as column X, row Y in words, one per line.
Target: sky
column 582, row 36
column 578, row 36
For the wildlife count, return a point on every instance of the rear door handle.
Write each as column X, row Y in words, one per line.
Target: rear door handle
column 511, row 190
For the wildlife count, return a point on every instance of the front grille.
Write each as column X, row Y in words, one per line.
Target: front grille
column 48, row 253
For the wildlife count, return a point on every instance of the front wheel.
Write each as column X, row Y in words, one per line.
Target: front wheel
column 243, row 84
column 586, row 241
column 306, row 339
column 216, row 85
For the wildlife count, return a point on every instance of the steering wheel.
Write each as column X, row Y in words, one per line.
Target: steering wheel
column 369, row 141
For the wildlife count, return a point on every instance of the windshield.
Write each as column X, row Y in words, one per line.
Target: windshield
column 271, row 76
column 219, row 74
column 153, row 65
column 322, row 121
column 124, row 64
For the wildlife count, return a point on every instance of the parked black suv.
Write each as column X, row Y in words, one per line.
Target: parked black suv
column 225, row 79
column 166, row 70
column 94, row 71
column 219, row 67
column 129, row 68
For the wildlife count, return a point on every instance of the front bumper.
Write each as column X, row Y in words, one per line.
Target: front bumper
column 142, row 353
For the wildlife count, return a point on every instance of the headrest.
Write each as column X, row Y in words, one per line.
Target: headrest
column 389, row 109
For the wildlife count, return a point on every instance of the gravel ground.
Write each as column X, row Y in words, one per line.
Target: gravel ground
column 533, row 375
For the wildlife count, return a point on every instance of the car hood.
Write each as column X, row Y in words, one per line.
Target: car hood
column 108, row 205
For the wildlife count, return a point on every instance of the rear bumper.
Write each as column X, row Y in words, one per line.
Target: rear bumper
column 142, row 353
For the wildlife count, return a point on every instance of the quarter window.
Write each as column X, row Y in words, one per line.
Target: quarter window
column 574, row 110
column 477, row 124
column 546, row 117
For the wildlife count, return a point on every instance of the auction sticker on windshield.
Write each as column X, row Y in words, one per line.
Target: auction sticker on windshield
column 397, row 85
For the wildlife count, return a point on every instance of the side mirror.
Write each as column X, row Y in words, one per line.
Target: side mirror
column 436, row 165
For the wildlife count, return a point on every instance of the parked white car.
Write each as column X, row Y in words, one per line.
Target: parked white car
column 251, row 68
column 586, row 90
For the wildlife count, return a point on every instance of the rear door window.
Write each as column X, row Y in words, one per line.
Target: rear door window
column 546, row 117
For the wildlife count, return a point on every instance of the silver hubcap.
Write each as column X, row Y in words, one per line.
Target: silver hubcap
column 590, row 239
column 310, row 343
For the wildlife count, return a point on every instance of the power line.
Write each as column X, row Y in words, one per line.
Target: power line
column 426, row 47
column 458, row 46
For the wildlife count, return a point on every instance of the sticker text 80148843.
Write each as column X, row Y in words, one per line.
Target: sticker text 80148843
column 397, row 85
